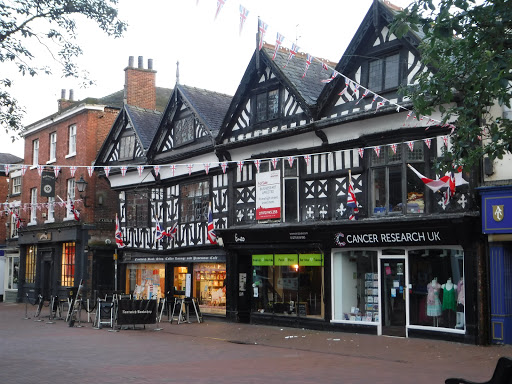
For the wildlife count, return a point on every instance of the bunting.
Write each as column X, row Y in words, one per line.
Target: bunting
column 224, row 166
column 279, row 41
column 243, row 17
column 140, row 169
column 309, row 59
column 262, row 28
column 118, row 235
column 123, row 170
column 107, row 170
column 72, row 170
column 157, row 170
column 351, row 198
column 293, row 52
column 220, row 4
column 56, row 170
column 90, row 170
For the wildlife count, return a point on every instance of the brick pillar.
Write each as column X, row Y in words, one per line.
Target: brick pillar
column 139, row 85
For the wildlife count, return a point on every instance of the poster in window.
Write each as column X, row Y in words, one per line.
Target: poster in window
column 268, row 195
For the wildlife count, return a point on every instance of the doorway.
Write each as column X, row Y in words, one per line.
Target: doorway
column 393, row 295
column 47, row 274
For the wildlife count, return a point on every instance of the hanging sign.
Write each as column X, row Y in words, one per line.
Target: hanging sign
column 268, row 195
column 47, row 184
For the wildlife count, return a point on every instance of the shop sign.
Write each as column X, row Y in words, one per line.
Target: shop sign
column 48, row 184
column 44, row 236
column 136, row 312
column 177, row 259
column 375, row 239
column 311, row 260
column 268, row 195
column 497, row 217
column 286, row 259
column 263, row 260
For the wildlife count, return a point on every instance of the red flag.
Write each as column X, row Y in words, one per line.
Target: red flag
column 118, row 234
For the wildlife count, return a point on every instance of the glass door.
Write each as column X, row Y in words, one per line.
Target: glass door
column 393, row 296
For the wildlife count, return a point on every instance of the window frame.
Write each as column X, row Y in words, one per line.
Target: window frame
column 184, row 122
column 383, row 77
column 190, row 206
column 68, row 264
column 127, row 147
column 16, row 185
column 33, row 205
column 257, row 116
column 53, row 147
column 137, row 208
column 35, row 152
column 70, row 196
column 72, row 140
column 31, row 264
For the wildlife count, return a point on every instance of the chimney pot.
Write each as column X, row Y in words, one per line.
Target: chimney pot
column 130, row 61
column 62, row 94
column 71, row 95
column 141, row 62
column 150, row 64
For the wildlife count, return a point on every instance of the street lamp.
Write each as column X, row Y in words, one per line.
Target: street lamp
column 81, row 185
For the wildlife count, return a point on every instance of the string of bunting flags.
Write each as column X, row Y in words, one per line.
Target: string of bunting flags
column 352, row 90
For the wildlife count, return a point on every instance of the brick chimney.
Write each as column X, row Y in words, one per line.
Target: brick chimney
column 139, row 84
column 64, row 103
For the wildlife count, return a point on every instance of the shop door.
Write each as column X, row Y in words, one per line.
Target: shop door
column 393, row 297
column 46, row 274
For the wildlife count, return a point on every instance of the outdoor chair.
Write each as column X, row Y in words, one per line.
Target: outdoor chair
column 502, row 374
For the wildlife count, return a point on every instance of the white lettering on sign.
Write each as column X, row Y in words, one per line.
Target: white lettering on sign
column 387, row 237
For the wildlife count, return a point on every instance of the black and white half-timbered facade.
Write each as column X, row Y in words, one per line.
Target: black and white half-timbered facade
column 314, row 179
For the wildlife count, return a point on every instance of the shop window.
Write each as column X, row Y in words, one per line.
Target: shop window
column 194, row 200
column 183, row 130
column 288, row 284
column 30, row 264
column 13, row 267
column 395, row 188
column 356, row 286
column 266, row 106
column 383, row 74
column 145, row 281
column 437, row 295
column 210, row 287
column 126, row 147
column 137, row 208
column 67, row 275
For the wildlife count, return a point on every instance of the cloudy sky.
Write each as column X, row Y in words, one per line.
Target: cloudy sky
column 211, row 53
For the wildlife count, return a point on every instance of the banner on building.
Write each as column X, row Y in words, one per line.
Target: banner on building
column 48, row 184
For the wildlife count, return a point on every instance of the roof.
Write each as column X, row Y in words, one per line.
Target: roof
column 145, row 123
column 116, row 99
column 309, row 86
column 210, row 106
column 7, row 158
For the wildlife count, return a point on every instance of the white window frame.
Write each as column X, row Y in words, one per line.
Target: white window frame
column 33, row 206
column 53, row 147
column 16, row 185
column 35, row 152
column 71, row 140
column 51, row 210
column 70, row 195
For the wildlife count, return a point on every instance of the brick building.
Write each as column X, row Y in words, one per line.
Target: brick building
column 68, row 235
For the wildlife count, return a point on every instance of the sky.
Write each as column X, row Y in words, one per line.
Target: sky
column 211, row 52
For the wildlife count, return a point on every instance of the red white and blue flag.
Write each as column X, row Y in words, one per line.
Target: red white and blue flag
column 220, row 4
column 56, row 170
column 159, row 232
column 90, row 170
column 451, row 180
column 212, row 237
column 243, row 17
column 279, row 41
column 72, row 169
column 262, row 28
column 118, row 235
column 123, row 170
column 171, row 233
column 309, row 59
column 73, row 210
column 333, row 76
column 293, row 51
column 351, row 198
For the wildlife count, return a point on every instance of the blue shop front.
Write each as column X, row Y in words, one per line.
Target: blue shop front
column 497, row 225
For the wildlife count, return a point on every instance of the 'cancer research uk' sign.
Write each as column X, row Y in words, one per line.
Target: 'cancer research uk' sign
column 268, row 195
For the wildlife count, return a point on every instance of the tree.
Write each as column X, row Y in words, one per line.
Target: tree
column 467, row 48
column 51, row 24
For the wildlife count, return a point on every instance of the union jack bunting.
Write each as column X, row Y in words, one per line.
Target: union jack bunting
column 361, row 152
column 243, row 17
column 293, row 52
column 118, row 235
column 157, row 170
column 224, row 166
column 274, row 162
column 190, row 167
column 72, row 169
column 324, row 66
column 410, row 144
column 380, row 104
column 56, row 170
column 262, row 28
column 140, row 168
column 279, row 41
column 427, row 142
column 173, row 169
column 6, row 168
column 90, row 170
column 377, row 150
column 220, row 4
column 23, row 169
column 351, row 198
column 240, row 165
column 366, row 91
column 290, row 160
column 257, row 163
column 107, row 170
column 393, row 148
column 40, row 170
column 445, row 140
column 207, row 167
column 309, row 59
column 346, row 87
column 124, row 168
column 212, row 237
column 307, row 159
column 407, row 118
column 333, row 76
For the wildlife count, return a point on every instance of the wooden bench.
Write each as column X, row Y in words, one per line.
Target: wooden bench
column 502, row 374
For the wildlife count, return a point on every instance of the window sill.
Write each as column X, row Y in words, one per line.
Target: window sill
column 49, row 221
column 32, row 223
column 70, row 155
column 33, row 167
column 51, row 161
column 68, row 218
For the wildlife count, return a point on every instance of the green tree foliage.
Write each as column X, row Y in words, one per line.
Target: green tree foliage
column 51, row 24
column 467, row 47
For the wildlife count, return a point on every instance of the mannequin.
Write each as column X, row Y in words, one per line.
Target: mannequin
column 449, row 302
column 433, row 303
column 460, row 304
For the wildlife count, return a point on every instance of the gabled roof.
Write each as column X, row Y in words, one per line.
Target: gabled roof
column 7, row 158
column 145, row 123
column 381, row 12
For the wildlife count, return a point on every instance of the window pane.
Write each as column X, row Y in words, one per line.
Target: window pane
column 72, row 139
column 437, row 296
column 310, row 290
column 195, row 199
column 30, row 264
column 416, row 153
column 137, row 209
column 415, row 190
column 68, row 265
column 379, row 191
column 356, row 286
column 273, row 104
column 377, row 160
column 290, row 200
column 391, row 78
column 184, row 130
column 261, row 107
column 126, row 147
column 263, row 287
column 395, row 189
column 286, row 286
column 375, row 75
column 395, row 157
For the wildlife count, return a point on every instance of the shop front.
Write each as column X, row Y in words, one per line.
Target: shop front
column 408, row 279
column 199, row 275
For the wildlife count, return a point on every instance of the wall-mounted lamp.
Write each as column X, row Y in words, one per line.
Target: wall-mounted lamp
column 81, row 185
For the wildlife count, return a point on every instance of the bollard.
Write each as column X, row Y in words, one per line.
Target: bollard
column 26, row 309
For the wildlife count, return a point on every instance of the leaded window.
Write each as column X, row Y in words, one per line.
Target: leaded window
column 126, row 147
column 383, row 73
column 184, row 130
column 194, row 199
column 267, row 106
column 137, row 208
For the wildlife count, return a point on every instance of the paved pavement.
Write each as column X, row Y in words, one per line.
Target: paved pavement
column 217, row 351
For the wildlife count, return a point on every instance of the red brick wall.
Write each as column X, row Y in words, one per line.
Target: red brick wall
column 140, row 89
column 4, row 193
